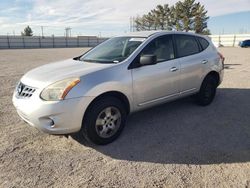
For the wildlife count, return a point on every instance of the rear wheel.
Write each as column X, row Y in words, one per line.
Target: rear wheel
column 104, row 120
column 207, row 91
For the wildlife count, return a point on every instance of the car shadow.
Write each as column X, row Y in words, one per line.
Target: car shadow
column 230, row 66
column 181, row 132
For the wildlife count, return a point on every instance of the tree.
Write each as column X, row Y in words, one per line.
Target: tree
column 146, row 22
column 162, row 16
column 158, row 18
column 200, row 20
column 27, row 31
column 175, row 18
column 186, row 11
column 185, row 15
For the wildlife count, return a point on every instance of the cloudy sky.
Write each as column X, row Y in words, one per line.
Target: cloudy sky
column 94, row 17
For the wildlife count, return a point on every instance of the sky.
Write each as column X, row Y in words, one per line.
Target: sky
column 238, row 22
column 108, row 17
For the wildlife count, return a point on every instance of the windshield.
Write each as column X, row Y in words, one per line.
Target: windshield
column 114, row 50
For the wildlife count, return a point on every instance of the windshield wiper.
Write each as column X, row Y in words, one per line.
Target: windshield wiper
column 89, row 60
column 77, row 58
column 97, row 61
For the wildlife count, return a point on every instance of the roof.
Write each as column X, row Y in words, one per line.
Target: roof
column 147, row 34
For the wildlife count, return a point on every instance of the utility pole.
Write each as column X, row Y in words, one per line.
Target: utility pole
column 68, row 31
column 42, row 31
column 130, row 24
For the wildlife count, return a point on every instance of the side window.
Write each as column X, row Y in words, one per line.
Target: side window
column 162, row 47
column 204, row 43
column 186, row 45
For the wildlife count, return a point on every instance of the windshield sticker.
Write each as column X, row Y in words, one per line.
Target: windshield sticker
column 137, row 39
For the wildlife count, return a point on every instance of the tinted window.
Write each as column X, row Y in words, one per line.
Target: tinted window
column 204, row 43
column 186, row 45
column 162, row 47
column 247, row 42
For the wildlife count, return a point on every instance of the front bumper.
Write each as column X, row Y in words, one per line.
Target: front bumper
column 59, row 117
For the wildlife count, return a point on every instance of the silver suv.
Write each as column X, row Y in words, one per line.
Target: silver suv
column 93, row 94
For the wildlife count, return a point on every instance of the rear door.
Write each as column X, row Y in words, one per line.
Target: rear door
column 192, row 63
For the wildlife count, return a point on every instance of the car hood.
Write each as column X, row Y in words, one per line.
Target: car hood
column 50, row 73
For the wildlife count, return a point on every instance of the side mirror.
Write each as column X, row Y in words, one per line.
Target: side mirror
column 148, row 60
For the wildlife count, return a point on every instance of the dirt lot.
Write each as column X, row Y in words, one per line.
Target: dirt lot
column 174, row 145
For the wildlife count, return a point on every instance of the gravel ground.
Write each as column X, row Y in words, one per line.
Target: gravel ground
column 178, row 144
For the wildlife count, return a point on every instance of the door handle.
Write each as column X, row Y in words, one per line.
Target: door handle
column 173, row 69
column 204, row 62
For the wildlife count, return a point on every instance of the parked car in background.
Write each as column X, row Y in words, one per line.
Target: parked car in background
column 244, row 44
column 94, row 93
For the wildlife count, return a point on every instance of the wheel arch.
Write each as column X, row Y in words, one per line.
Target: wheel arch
column 213, row 74
column 117, row 94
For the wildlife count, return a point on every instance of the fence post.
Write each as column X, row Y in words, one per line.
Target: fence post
column 8, row 40
column 23, row 42
column 66, row 41
column 219, row 41
column 78, row 41
column 39, row 39
column 53, row 41
column 88, row 41
column 234, row 40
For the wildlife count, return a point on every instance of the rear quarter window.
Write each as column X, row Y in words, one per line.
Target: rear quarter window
column 203, row 42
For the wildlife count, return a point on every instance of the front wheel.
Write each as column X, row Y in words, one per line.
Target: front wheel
column 207, row 91
column 104, row 120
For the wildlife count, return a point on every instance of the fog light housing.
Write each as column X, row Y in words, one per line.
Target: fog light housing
column 52, row 123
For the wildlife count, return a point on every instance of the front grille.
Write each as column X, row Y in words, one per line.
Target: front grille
column 24, row 91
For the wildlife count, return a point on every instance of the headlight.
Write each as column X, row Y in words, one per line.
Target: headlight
column 59, row 90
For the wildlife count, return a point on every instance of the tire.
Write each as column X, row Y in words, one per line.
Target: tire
column 207, row 91
column 104, row 121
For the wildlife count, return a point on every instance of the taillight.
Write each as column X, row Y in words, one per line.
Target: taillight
column 222, row 58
